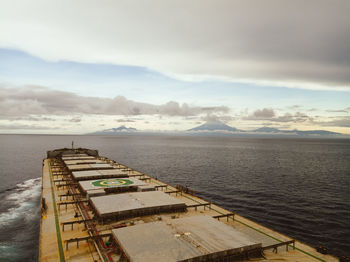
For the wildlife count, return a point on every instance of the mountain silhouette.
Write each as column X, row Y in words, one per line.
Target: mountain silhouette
column 214, row 126
column 115, row 130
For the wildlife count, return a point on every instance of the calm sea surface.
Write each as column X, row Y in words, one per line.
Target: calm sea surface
column 300, row 187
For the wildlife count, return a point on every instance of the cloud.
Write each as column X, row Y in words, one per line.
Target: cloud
column 304, row 44
column 264, row 113
column 288, row 117
column 38, row 100
column 125, row 121
column 339, row 122
column 211, row 118
column 270, row 115
column 294, row 107
column 22, row 127
column 75, row 120
column 338, row 110
column 260, row 114
column 31, row 118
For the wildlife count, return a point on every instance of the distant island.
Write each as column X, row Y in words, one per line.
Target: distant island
column 271, row 130
column 219, row 128
column 118, row 130
column 214, row 126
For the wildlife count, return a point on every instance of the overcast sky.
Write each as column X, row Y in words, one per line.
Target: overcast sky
column 81, row 66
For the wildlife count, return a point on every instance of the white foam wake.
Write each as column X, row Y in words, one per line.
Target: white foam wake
column 23, row 202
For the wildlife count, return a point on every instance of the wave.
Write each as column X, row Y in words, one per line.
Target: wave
column 20, row 201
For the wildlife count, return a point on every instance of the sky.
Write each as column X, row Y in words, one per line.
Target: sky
column 74, row 67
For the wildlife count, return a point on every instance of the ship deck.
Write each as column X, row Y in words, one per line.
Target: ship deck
column 72, row 229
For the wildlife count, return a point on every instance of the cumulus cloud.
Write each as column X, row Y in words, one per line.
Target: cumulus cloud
column 260, row 114
column 212, row 118
column 264, row 113
column 270, row 115
column 33, row 100
column 291, row 43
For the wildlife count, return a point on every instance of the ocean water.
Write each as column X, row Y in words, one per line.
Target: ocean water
column 299, row 187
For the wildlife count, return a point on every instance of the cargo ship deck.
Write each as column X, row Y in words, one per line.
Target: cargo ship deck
column 96, row 209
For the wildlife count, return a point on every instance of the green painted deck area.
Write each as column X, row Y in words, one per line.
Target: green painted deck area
column 112, row 182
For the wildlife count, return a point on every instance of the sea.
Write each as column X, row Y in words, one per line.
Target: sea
column 299, row 187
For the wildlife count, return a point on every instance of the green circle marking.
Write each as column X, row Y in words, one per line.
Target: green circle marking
column 112, row 182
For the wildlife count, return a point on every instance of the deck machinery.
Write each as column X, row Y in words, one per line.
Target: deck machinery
column 95, row 209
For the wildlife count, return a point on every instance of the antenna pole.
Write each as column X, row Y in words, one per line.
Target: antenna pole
column 72, row 144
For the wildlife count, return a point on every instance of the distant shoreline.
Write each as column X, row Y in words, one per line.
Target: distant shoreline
column 199, row 134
